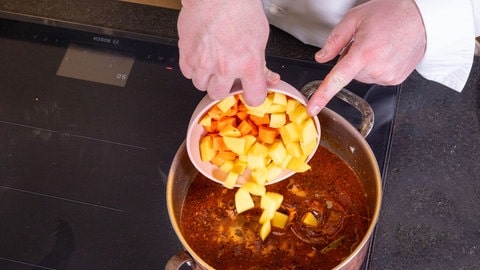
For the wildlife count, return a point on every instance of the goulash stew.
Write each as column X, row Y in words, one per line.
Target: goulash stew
column 330, row 194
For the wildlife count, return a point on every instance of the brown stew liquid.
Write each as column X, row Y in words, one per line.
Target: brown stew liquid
column 227, row 240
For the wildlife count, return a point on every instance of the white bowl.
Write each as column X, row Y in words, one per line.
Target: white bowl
column 196, row 131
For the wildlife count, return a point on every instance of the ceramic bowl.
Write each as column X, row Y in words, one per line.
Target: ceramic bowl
column 195, row 132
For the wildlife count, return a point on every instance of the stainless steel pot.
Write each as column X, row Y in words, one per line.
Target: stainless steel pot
column 338, row 135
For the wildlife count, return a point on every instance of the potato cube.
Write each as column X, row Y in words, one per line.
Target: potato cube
column 243, row 201
column 299, row 115
column 294, row 149
column 273, row 171
column 225, row 104
column 206, row 148
column 271, row 200
column 254, row 188
column 309, row 131
column 231, row 180
column 259, row 175
column 298, row 165
column 277, row 120
column 267, row 215
column 279, row 220
column 239, row 167
column 206, row 121
column 277, row 152
column 279, row 98
column 230, row 131
column 291, row 105
column 290, row 133
column 234, row 144
column 227, row 166
column 310, row 219
column 265, row 230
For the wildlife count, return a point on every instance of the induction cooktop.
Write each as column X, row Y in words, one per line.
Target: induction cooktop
column 89, row 124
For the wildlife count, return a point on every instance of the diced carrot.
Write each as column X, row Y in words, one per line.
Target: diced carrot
column 223, row 122
column 226, row 155
column 217, row 142
column 267, row 134
column 242, row 115
column 245, row 127
column 265, row 120
column 212, row 128
column 232, row 111
column 215, row 112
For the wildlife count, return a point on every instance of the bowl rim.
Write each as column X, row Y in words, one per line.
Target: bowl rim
column 195, row 132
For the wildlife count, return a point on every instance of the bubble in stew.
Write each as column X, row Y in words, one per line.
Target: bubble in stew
column 329, row 194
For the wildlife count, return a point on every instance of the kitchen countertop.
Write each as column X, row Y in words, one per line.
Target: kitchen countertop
column 429, row 217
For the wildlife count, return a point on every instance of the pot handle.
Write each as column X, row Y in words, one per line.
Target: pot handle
column 349, row 97
column 180, row 259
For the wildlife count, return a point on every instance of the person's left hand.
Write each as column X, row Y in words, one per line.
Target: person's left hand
column 388, row 42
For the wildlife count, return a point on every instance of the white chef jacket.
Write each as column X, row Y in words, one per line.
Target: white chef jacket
column 451, row 28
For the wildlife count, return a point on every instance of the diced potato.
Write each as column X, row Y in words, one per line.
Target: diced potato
column 271, row 200
column 277, row 120
column 262, row 109
column 230, row 131
column 225, row 104
column 249, row 142
column 298, row 165
column 310, row 219
column 277, row 108
column 243, row 201
column 235, row 144
column 273, row 171
column 206, row 121
column 239, row 167
column 291, row 105
column 290, row 133
column 277, row 152
column 227, row 166
column 231, row 180
column 267, row 215
column 260, row 175
column 254, row 188
column 279, row 220
column 294, row 149
column 309, row 132
column 265, row 230
column 206, row 148
column 299, row 115
column 308, row 148
column 279, row 98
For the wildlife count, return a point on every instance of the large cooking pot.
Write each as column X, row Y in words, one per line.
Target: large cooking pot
column 338, row 136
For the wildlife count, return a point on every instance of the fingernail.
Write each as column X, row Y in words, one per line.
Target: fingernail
column 320, row 54
column 314, row 110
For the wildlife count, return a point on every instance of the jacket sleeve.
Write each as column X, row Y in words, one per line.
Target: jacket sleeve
column 451, row 28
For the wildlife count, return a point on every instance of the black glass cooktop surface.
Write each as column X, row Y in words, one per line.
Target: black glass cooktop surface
column 89, row 124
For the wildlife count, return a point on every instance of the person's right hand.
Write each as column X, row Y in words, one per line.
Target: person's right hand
column 224, row 40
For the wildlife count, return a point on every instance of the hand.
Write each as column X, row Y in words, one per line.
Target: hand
column 388, row 42
column 221, row 41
